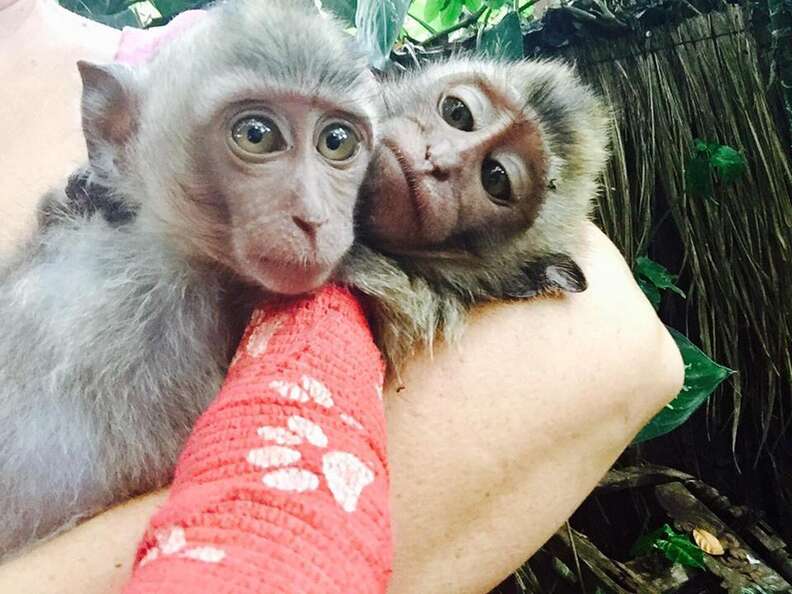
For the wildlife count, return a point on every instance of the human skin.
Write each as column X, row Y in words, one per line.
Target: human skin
column 492, row 443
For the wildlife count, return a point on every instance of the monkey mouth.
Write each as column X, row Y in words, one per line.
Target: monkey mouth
column 286, row 277
column 414, row 192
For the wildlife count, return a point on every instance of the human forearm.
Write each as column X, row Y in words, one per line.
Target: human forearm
column 492, row 444
column 94, row 558
column 552, row 391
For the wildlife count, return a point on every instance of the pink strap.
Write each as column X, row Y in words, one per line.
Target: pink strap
column 139, row 45
column 283, row 485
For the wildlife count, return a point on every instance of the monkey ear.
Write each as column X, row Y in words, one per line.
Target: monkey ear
column 549, row 274
column 109, row 112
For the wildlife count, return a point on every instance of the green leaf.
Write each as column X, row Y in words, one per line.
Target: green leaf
column 504, row 40
column 343, row 9
column 647, row 541
column 170, row 8
column 651, row 291
column 473, row 5
column 699, row 177
column 677, row 547
column 657, row 274
column 119, row 20
column 378, row 25
column 433, row 8
column 711, row 158
column 96, row 11
column 728, row 163
column 451, row 12
column 115, row 13
column 115, row 6
column 495, row 4
column 682, row 550
column 702, row 376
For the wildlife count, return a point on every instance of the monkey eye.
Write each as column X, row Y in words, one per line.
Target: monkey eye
column 256, row 135
column 496, row 181
column 338, row 142
column 456, row 114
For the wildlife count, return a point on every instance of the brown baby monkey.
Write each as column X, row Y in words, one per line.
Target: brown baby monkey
column 478, row 191
column 483, row 178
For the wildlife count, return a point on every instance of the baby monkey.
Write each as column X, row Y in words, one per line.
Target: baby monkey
column 480, row 186
column 478, row 191
column 118, row 328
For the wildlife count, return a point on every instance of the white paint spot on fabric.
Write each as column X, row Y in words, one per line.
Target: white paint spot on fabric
column 152, row 554
column 351, row 421
column 279, row 435
column 258, row 341
column 290, row 391
column 171, row 542
column 205, row 554
column 345, row 474
column 310, row 390
column 318, row 391
column 292, row 479
column 273, row 456
column 346, row 478
column 308, row 430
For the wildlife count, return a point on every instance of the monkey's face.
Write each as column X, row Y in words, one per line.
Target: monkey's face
column 458, row 156
column 244, row 142
column 286, row 170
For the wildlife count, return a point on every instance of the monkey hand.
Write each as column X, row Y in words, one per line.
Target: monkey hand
column 548, row 275
column 283, row 485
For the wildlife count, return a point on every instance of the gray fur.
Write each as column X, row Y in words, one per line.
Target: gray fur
column 117, row 332
column 113, row 313
column 100, row 385
column 418, row 298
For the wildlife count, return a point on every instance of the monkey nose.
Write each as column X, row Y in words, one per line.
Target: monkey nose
column 440, row 160
column 308, row 226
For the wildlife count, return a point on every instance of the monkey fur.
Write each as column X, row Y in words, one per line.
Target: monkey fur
column 122, row 312
column 420, row 288
column 421, row 274
column 431, row 241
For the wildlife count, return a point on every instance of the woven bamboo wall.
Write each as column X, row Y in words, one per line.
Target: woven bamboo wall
column 708, row 78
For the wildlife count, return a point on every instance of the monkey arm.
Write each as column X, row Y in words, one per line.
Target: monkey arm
column 492, row 445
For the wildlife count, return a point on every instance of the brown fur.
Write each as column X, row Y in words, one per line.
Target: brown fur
column 432, row 242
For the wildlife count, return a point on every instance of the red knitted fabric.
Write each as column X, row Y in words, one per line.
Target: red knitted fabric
column 283, row 485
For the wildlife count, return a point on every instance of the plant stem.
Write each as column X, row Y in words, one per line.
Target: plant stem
column 577, row 558
column 527, row 5
column 482, row 26
column 466, row 22
column 423, row 24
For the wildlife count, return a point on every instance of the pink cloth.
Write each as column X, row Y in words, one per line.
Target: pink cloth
column 139, row 45
column 283, row 485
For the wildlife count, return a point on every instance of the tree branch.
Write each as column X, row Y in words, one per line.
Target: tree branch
column 466, row 22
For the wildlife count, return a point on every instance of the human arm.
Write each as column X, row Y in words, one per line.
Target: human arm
column 492, row 444
column 495, row 444
column 40, row 133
